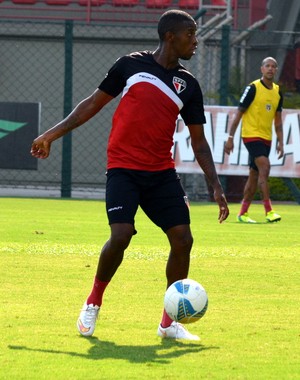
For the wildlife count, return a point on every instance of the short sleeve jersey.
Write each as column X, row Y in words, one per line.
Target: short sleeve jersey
column 144, row 122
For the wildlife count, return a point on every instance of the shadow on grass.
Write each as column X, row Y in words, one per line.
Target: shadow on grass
column 99, row 350
column 248, row 224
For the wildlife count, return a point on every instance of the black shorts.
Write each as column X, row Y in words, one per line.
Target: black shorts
column 159, row 194
column 257, row 149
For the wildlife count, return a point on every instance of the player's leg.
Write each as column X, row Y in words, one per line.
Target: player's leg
column 110, row 258
column 113, row 251
column 250, row 186
column 177, row 268
column 263, row 164
column 121, row 208
column 254, row 149
column 167, row 206
column 181, row 242
column 248, row 194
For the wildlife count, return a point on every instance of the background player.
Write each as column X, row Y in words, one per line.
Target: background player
column 260, row 105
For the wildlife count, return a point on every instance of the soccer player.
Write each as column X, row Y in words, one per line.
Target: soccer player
column 155, row 88
column 260, row 105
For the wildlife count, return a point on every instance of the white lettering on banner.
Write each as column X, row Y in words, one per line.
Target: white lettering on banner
column 291, row 130
column 291, row 138
column 218, row 135
column 182, row 142
column 216, row 131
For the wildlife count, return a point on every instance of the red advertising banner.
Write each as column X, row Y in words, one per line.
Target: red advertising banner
column 218, row 121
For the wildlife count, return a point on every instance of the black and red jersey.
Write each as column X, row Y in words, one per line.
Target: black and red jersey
column 143, row 124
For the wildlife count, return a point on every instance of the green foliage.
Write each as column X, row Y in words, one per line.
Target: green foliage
column 236, row 86
column 291, row 100
column 279, row 191
column 49, row 252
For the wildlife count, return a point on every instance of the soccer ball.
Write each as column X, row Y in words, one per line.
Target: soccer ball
column 185, row 301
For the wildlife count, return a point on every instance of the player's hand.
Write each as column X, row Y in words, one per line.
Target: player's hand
column 229, row 146
column 280, row 150
column 40, row 147
column 223, row 206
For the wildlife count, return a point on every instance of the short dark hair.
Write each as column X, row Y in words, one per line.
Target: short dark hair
column 169, row 21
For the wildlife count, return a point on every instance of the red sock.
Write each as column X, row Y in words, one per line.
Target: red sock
column 245, row 206
column 267, row 205
column 166, row 320
column 96, row 295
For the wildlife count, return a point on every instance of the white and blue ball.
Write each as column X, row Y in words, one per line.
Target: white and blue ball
column 185, row 301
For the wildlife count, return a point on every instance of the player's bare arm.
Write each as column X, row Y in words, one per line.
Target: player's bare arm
column 204, row 158
column 84, row 111
column 229, row 145
column 279, row 134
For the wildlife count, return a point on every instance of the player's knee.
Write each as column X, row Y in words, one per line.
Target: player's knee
column 184, row 242
column 121, row 239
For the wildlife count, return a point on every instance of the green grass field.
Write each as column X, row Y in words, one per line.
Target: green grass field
column 49, row 252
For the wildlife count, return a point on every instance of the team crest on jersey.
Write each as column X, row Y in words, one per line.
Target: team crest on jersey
column 179, row 84
column 268, row 107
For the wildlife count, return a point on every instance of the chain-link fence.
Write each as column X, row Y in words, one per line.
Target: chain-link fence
column 58, row 64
